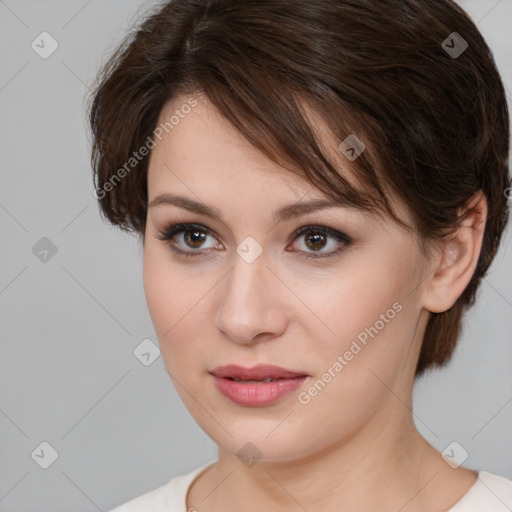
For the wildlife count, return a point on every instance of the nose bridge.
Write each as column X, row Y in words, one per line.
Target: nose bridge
column 249, row 269
column 247, row 302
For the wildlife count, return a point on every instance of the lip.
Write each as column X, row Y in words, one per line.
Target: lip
column 259, row 372
column 256, row 394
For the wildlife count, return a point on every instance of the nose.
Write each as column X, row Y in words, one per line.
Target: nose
column 250, row 309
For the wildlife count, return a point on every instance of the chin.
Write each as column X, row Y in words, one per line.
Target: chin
column 261, row 439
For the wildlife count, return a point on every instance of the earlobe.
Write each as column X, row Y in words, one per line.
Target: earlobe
column 457, row 259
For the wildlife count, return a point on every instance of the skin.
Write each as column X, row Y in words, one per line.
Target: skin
column 354, row 446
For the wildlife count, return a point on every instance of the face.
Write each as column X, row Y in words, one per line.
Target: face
column 331, row 294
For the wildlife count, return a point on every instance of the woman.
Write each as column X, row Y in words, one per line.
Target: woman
column 320, row 186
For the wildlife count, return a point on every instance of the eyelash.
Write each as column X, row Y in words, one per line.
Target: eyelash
column 168, row 233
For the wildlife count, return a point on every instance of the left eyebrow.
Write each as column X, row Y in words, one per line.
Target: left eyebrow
column 283, row 214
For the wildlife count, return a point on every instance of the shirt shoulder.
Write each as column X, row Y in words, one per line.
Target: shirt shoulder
column 490, row 493
column 170, row 497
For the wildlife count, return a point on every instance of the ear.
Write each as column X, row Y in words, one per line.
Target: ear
column 456, row 261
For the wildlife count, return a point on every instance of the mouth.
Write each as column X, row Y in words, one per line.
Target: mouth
column 259, row 386
column 259, row 373
column 238, row 379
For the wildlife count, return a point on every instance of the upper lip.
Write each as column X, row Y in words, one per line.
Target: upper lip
column 259, row 372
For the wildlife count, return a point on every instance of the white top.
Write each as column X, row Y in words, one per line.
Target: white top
column 490, row 493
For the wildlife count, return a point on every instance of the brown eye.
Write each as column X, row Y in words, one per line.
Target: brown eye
column 187, row 239
column 318, row 237
column 316, row 241
column 194, row 238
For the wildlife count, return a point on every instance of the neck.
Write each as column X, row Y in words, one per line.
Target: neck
column 380, row 467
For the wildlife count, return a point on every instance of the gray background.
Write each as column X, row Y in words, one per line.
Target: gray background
column 69, row 326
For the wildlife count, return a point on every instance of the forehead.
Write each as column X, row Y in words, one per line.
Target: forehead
column 199, row 137
column 201, row 154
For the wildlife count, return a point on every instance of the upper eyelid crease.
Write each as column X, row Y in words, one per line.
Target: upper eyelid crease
column 180, row 227
column 285, row 213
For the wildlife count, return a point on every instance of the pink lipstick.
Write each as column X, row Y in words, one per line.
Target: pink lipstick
column 257, row 386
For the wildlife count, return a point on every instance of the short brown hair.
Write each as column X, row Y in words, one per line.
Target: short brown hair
column 435, row 124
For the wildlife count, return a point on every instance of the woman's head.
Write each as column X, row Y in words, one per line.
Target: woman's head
column 358, row 101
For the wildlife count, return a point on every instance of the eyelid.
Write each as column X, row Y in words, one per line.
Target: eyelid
column 168, row 233
column 338, row 235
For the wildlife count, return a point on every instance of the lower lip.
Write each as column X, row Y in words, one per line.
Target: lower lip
column 257, row 394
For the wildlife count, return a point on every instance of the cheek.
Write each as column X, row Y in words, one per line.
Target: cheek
column 176, row 300
column 166, row 293
column 352, row 299
column 368, row 318
column 354, row 370
column 156, row 287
